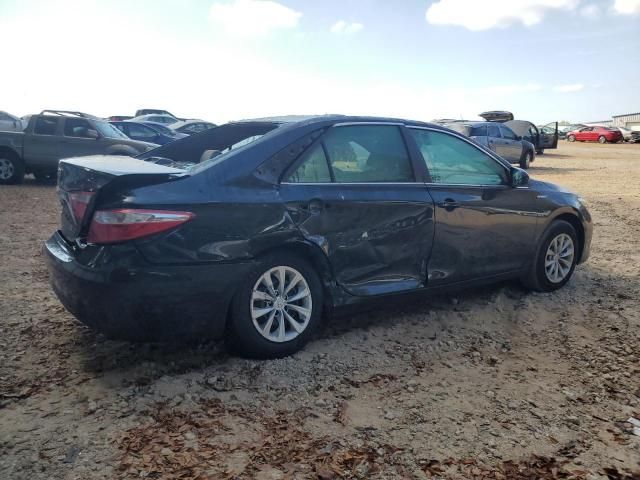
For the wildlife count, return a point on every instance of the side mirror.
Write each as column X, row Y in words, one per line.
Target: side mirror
column 519, row 178
column 93, row 134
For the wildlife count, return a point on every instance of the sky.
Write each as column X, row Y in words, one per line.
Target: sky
column 222, row 60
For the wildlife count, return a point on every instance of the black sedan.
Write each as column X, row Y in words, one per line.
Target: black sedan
column 251, row 230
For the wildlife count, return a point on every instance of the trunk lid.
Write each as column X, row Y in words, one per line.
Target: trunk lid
column 84, row 181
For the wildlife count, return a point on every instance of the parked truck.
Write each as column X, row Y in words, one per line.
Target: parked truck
column 55, row 134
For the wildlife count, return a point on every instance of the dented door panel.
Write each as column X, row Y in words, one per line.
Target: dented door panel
column 377, row 237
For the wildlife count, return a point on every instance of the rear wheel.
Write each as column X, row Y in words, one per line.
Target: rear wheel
column 540, row 152
column 11, row 169
column 525, row 161
column 276, row 309
column 556, row 258
column 571, row 138
column 602, row 139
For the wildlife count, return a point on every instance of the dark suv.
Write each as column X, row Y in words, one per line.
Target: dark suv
column 499, row 138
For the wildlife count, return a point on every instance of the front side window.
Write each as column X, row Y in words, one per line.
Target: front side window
column 141, row 132
column 368, row 153
column 46, row 126
column 76, row 127
column 108, row 131
column 313, row 169
column 451, row 160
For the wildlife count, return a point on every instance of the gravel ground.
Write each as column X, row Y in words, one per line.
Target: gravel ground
column 487, row 383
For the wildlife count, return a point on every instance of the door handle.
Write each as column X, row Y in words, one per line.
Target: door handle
column 449, row 204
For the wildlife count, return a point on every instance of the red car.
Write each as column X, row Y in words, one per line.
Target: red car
column 596, row 134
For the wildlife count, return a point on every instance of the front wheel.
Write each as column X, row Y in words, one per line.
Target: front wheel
column 571, row 138
column 11, row 169
column 555, row 260
column 276, row 309
column 602, row 139
column 525, row 161
column 540, row 152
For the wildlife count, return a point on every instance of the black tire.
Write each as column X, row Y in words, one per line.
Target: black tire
column 602, row 139
column 527, row 158
column 536, row 278
column 540, row 152
column 571, row 138
column 243, row 338
column 11, row 169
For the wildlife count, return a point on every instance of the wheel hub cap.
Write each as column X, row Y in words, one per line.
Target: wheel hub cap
column 559, row 258
column 6, row 168
column 281, row 304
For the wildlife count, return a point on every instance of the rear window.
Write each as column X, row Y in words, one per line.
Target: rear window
column 46, row 125
column 479, row 131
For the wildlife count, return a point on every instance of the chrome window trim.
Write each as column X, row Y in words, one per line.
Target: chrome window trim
column 351, row 124
column 352, row 183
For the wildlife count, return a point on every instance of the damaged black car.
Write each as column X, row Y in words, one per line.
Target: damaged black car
column 252, row 231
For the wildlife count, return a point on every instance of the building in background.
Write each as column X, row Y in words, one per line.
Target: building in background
column 629, row 120
column 601, row 123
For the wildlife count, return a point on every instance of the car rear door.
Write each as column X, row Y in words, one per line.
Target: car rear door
column 355, row 194
column 512, row 145
column 41, row 145
column 483, row 226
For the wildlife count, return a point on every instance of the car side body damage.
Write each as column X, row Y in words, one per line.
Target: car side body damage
column 363, row 239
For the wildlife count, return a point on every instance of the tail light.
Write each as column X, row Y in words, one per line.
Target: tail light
column 113, row 226
column 79, row 202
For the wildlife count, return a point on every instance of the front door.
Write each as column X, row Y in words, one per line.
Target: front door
column 355, row 195
column 78, row 140
column 483, row 226
column 549, row 136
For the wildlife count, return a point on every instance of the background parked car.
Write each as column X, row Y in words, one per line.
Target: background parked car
column 192, row 126
column 595, row 134
column 119, row 118
column 541, row 138
column 631, row 136
column 164, row 129
column 154, row 111
column 499, row 138
column 157, row 118
column 11, row 123
column 56, row 134
column 145, row 133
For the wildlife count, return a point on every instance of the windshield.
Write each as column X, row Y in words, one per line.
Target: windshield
column 109, row 131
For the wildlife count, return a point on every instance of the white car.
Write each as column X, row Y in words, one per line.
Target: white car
column 157, row 118
column 10, row 123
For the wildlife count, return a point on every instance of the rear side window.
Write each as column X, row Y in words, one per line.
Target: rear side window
column 313, row 169
column 453, row 161
column 76, row 127
column 480, row 131
column 494, row 131
column 45, row 126
column 368, row 153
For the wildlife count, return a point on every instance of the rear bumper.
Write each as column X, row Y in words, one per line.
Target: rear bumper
column 125, row 297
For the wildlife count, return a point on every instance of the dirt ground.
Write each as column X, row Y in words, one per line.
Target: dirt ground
column 490, row 383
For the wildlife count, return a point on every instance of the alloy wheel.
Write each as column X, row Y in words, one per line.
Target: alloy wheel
column 6, row 169
column 281, row 304
column 559, row 258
